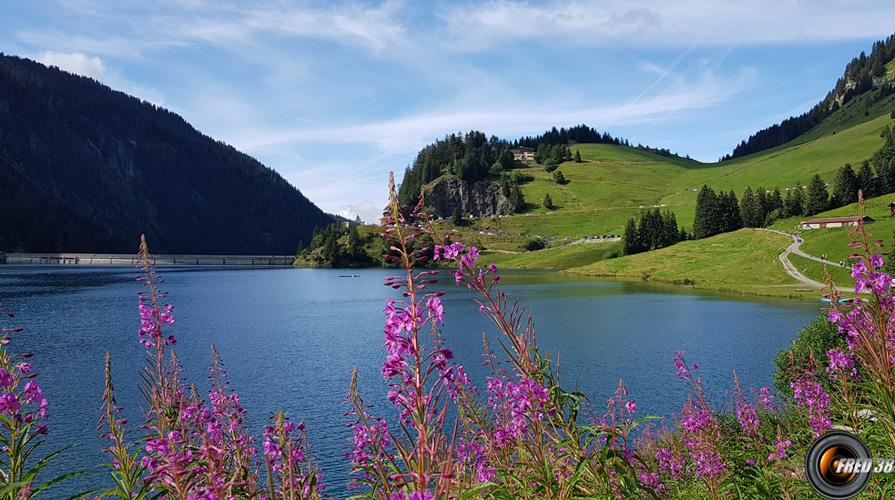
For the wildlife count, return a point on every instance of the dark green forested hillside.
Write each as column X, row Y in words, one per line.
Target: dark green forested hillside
column 863, row 73
column 92, row 168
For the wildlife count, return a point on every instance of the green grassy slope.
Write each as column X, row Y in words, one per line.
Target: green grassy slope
column 834, row 242
column 615, row 183
column 555, row 258
column 743, row 261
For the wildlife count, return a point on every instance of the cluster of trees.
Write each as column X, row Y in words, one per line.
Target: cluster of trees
column 471, row 157
column 761, row 207
column 716, row 213
column 336, row 245
column 551, row 155
column 857, row 79
column 652, row 231
column 572, row 135
column 509, row 186
column 116, row 167
column 559, row 178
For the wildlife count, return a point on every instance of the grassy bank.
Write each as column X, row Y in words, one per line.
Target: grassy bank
column 744, row 261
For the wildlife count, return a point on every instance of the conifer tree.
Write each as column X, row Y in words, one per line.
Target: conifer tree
column 750, row 212
column 867, row 180
column 707, row 220
column 631, row 243
column 817, row 199
column 846, row 186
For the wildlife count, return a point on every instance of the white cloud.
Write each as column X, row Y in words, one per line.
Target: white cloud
column 368, row 212
column 75, row 62
column 660, row 23
column 408, row 133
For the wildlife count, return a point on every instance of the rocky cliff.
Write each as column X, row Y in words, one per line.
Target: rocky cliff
column 479, row 199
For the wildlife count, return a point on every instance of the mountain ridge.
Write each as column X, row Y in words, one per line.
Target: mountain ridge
column 126, row 166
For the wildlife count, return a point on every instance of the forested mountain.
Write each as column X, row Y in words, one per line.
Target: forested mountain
column 475, row 157
column 862, row 74
column 90, row 168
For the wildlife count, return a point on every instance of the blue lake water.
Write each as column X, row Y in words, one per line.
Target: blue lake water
column 289, row 339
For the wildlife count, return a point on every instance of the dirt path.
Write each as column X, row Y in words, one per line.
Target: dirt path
column 793, row 271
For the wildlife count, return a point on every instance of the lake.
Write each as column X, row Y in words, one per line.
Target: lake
column 289, row 339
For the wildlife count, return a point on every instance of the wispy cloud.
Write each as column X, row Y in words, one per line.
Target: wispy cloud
column 334, row 94
column 659, row 23
column 409, row 133
column 74, row 62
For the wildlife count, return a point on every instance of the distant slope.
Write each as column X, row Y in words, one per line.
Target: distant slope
column 742, row 261
column 862, row 74
column 100, row 167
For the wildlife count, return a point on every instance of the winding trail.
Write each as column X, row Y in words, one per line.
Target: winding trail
column 793, row 271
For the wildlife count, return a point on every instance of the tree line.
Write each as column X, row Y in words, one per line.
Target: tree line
column 857, row 79
column 652, row 231
column 721, row 212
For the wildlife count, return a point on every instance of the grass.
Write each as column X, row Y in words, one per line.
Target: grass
column 815, row 270
column 555, row 258
column 743, row 261
column 614, row 183
column 834, row 242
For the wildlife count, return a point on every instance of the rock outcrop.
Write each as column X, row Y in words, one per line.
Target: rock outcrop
column 479, row 199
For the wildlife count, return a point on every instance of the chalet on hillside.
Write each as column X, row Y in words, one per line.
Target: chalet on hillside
column 523, row 154
column 827, row 222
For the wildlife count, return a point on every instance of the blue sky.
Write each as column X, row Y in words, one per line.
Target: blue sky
column 334, row 95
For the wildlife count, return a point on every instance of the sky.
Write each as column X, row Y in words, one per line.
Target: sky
column 334, row 95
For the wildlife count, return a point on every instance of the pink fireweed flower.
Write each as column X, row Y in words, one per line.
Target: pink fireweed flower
column 748, row 418
column 436, row 309
column 24, row 368
column 764, row 395
column 470, row 257
column 841, row 365
column 670, row 463
column 6, row 379
column 631, row 407
column 810, row 394
column 876, row 261
column 780, row 450
column 453, row 250
column 9, row 403
column 858, row 269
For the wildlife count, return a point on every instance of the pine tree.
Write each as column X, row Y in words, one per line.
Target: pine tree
column 548, row 202
column 764, row 205
column 558, row 177
column 729, row 208
column 775, row 201
column 670, row 235
column 867, row 180
column 846, row 187
column 749, row 209
column 817, row 199
column 796, row 206
column 631, row 243
column 706, row 221
column 577, row 156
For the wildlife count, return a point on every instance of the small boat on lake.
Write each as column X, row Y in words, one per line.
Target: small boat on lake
column 349, row 275
column 841, row 301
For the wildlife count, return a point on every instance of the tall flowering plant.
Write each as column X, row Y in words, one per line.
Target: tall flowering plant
column 865, row 370
column 194, row 448
column 23, row 413
column 420, row 459
column 523, row 439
